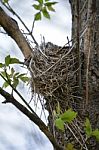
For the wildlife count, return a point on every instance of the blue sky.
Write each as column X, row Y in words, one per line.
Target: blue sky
column 16, row 131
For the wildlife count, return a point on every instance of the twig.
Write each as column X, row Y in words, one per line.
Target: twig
column 34, row 118
column 75, row 137
column 77, row 128
column 14, row 13
column 8, row 81
column 32, row 26
column 57, row 61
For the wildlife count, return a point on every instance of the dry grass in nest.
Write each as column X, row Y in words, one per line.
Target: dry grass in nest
column 51, row 67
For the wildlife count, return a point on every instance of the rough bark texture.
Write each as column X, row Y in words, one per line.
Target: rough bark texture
column 88, row 106
column 12, row 29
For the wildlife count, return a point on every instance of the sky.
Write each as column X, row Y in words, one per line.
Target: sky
column 17, row 132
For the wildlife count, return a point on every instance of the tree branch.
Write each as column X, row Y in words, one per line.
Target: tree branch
column 11, row 27
column 14, row 13
column 34, row 118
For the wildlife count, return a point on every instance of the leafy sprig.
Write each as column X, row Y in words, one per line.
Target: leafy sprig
column 12, row 77
column 43, row 7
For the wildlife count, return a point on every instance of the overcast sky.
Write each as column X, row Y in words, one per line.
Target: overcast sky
column 16, row 131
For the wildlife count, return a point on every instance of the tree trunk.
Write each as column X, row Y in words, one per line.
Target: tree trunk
column 85, row 32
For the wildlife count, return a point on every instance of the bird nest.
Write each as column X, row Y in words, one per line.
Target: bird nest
column 51, row 68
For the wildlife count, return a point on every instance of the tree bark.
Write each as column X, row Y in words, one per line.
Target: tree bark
column 88, row 19
column 12, row 29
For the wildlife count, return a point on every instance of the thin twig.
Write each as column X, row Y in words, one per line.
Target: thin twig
column 8, row 81
column 75, row 137
column 43, row 73
column 14, row 13
column 34, row 118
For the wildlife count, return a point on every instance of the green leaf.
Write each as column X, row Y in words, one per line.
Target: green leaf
column 50, row 8
column 12, row 71
column 88, row 128
column 70, row 146
column 21, row 75
column 14, row 61
column 59, row 124
column 3, row 73
column 25, row 79
column 5, row 1
column 45, row 13
column 1, row 65
column 37, row 16
column 16, row 74
column 7, row 60
column 37, row 7
column 96, row 134
column 40, row 1
column 50, row 3
column 5, row 85
column 68, row 116
column 15, row 82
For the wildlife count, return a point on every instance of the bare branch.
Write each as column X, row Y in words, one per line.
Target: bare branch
column 34, row 118
column 11, row 27
column 14, row 13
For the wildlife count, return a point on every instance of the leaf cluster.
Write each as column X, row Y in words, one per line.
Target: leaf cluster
column 67, row 117
column 43, row 7
column 10, row 75
column 89, row 131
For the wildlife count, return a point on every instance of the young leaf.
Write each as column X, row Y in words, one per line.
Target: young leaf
column 1, row 65
column 50, row 8
column 70, row 146
column 45, row 13
column 59, row 124
column 50, row 3
column 12, row 71
column 40, row 1
column 88, row 128
column 37, row 7
column 5, row 85
column 68, row 116
column 3, row 73
column 16, row 74
column 37, row 16
column 7, row 60
column 21, row 75
column 96, row 134
column 25, row 79
column 5, row 1
column 15, row 82
column 14, row 61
